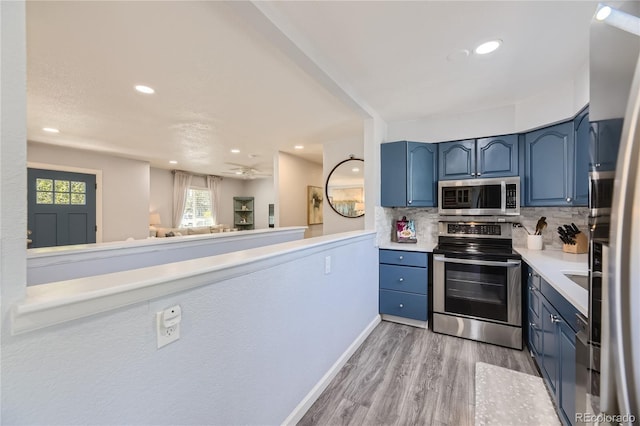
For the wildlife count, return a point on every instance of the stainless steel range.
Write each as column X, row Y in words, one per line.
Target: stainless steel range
column 476, row 283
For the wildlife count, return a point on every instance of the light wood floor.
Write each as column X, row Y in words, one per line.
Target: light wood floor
column 404, row 375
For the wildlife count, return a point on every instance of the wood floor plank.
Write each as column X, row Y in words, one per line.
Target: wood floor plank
column 403, row 375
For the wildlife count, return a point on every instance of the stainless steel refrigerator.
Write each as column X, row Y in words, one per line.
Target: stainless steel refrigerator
column 615, row 94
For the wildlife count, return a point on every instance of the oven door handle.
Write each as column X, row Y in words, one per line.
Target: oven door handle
column 508, row 264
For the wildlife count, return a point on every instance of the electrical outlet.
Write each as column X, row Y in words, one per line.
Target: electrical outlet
column 168, row 326
column 327, row 265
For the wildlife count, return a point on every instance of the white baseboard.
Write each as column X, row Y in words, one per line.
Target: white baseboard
column 322, row 384
column 405, row 321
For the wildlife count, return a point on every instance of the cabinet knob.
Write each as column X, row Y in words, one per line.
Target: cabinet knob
column 410, row 201
column 479, row 174
column 401, row 279
column 532, row 288
column 401, row 257
column 401, row 305
column 597, row 165
column 568, row 199
column 555, row 319
column 473, row 174
column 532, row 325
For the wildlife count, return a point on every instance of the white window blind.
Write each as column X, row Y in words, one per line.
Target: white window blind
column 197, row 211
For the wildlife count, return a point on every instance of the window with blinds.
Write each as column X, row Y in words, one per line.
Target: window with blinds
column 197, row 211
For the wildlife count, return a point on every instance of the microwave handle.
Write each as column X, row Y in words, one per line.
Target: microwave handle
column 503, row 198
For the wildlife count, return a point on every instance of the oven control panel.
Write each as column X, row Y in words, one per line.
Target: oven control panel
column 474, row 229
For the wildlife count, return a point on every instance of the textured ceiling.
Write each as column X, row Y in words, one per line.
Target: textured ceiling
column 223, row 82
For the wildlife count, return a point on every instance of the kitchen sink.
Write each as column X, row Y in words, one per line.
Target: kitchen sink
column 581, row 280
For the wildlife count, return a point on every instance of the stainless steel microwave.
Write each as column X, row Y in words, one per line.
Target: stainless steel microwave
column 478, row 197
column 600, row 193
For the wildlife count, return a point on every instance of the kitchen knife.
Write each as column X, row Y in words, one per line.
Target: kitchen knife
column 563, row 235
column 569, row 231
column 575, row 228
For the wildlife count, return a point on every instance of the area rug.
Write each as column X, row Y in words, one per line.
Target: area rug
column 508, row 397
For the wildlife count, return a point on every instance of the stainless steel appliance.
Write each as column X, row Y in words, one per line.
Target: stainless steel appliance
column 476, row 283
column 614, row 290
column 600, row 193
column 493, row 196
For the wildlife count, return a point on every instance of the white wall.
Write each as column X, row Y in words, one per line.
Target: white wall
column 562, row 100
column 229, row 188
column 332, row 154
column 263, row 192
column 125, row 187
column 251, row 348
column 161, row 195
column 294, row 174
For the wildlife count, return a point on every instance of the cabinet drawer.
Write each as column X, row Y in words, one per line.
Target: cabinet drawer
column 406, row 258
column 403, row 278
column 403, row 304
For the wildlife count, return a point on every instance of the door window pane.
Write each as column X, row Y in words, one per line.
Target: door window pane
column 44, row 184
column 44, row 197
column 78, row 199
column 78, row 187
column 62, row 198
column 62, row 186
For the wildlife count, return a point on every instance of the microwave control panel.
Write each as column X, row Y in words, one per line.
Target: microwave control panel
column 512, row 198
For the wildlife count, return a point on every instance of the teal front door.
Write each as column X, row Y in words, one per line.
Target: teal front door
column 61, row 208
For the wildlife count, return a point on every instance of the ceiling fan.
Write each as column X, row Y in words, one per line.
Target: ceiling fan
column 246, row 172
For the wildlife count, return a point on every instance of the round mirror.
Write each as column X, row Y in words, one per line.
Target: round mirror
column 345, row 188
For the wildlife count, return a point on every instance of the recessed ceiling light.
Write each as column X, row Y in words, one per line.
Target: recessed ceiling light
column 299, row 147
column 603, row 13
column 51, row 130
column 145, row 89
column 239, row 172
column 487, row 47
column 355, row 170
column 173, row 162
column 235, row 151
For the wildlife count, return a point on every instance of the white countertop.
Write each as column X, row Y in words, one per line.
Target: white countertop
column 425, row 246
column 552, row 264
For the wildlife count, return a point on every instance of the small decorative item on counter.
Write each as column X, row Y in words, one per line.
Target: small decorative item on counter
column 406, row 230
column 574, row 241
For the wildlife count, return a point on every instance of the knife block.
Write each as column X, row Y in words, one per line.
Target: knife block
column 581, row 245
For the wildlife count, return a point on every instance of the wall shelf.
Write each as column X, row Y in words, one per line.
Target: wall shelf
column 243, row 213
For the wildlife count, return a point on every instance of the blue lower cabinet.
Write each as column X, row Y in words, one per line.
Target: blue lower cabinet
column 567, row 376
column 552, row 343
column 404, row 277
column 402, row 304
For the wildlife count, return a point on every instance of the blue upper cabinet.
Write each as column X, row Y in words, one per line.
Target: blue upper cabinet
column 487, row 157
column 549, row 166
column 457, row 159
column 605, row 144
column 408, row 174
column 497, row 156
column 583, row 141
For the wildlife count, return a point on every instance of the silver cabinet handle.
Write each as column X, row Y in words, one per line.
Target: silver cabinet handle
column 532, row 288
column 401, row 279
column 597, row 164
column 401, row 305
column 473, row 174
column 410, row 201
column 401, row 257
column 568, row 199
column 555, row 319
column 479, row 174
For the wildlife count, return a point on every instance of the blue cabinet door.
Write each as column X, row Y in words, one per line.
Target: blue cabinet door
column 408, row 174
column 422, row 175
column 393, row 174
column 549, row 365
column 605, row 145
column 566, row 397
column 549, row 166
column 457, row 160
column 583, row 137
column 497, row 156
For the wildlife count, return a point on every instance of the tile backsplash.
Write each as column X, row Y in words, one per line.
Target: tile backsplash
column 426, row 221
